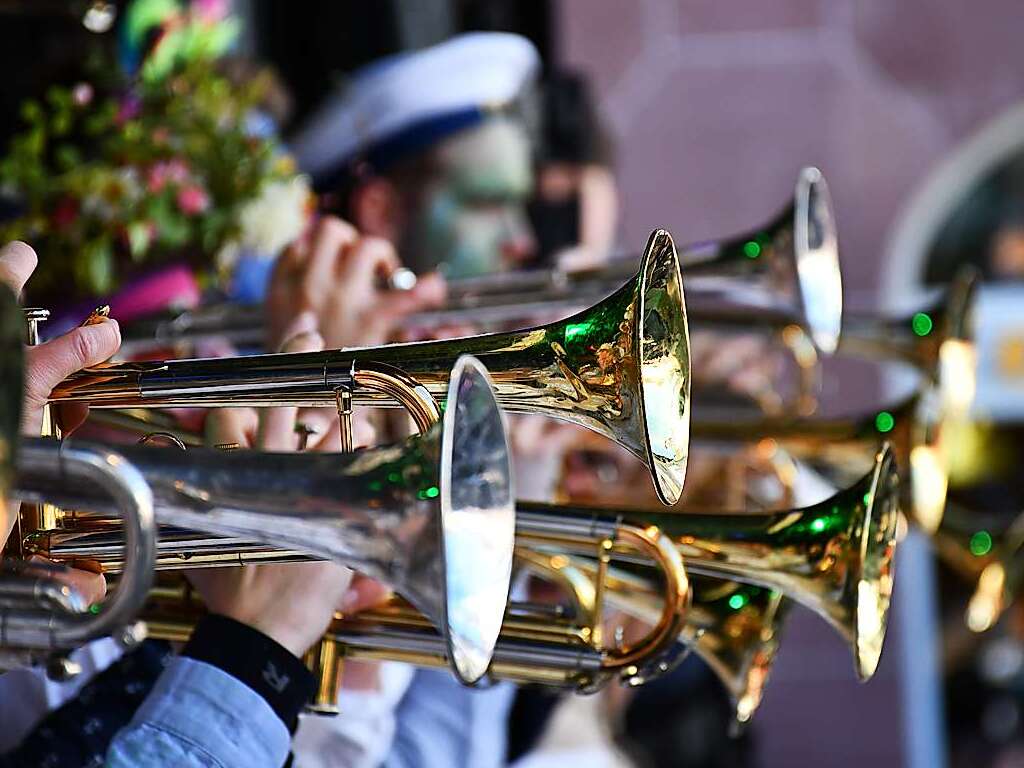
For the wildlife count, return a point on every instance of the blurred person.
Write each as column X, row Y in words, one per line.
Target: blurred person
column 426, row 150
column 575, row 208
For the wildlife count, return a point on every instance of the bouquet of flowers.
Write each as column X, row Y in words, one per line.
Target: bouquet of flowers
column 115, row 175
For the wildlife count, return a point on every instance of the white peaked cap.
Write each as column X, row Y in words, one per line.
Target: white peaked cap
column 412, row 100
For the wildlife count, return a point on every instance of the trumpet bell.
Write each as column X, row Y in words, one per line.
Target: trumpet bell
column 796, row 254
column 817, row 260
column 835, row 557
column 738, row 635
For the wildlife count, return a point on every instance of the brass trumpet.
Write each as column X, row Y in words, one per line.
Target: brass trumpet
column 917, row 338
column 620, row 368
column 537, row 644
column 834, row 557
column 789, row 268
column 432, row 517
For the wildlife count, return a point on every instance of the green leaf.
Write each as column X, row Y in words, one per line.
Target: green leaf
column 98, row 259
column 138, row 239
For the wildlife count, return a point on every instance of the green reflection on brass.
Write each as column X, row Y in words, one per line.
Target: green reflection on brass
column 737, row 601
column 922, row 323
column 981, row 543
column 751, row 249
column 575, row 330
column 884, row 422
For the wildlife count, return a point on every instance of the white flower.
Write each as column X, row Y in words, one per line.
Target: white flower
column 275, row 218
column 226, row 258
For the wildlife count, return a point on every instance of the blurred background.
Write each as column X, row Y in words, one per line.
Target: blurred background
column 703, row 113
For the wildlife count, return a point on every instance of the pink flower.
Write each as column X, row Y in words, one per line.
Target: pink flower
column 81, row 94
column 210, row 10
column 156, row 179
column 177, row 171
column 193, row 199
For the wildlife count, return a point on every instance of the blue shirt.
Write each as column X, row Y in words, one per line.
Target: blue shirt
column 198, row 715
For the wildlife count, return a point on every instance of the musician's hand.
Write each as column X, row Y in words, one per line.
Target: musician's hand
column 294, row 603
column 335, row 272
column 50, row 363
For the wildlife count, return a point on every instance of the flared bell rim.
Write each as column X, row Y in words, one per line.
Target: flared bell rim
column 877, row 545
column 477, row 520
column 663, row 351
column 816, row 250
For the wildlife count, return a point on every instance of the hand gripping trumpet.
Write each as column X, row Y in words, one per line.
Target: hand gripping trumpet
column 620, row 368
column 38, row 614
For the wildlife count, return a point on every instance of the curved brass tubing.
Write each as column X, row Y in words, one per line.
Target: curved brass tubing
column 835, row 557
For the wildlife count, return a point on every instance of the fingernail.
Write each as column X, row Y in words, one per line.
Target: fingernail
column 97, row 316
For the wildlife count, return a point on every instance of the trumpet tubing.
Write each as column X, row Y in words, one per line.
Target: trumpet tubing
column 734, row 628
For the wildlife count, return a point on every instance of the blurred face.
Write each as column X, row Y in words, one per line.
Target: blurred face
column 472, row 218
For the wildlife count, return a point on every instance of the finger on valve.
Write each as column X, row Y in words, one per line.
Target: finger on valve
column 277, row 425
column 48, row 364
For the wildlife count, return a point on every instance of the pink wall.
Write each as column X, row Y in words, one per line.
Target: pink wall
column 713, row 107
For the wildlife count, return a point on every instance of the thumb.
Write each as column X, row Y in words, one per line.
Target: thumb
column 49, row 364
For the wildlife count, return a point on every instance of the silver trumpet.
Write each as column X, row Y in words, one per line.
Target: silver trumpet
column 433, row 517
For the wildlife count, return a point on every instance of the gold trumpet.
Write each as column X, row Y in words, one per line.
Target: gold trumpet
column 915, row 338
column 537, row 644
column 999, row 582
column 834, row 557
column 788, row 268
column 620, row 368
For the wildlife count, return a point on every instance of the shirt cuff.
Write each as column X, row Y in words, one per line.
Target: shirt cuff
column 207, row 709
column 265, row 666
